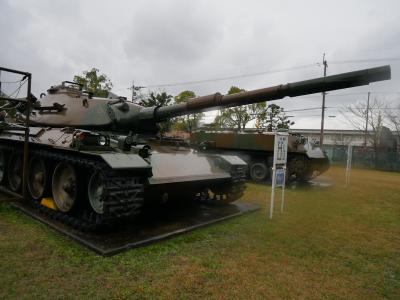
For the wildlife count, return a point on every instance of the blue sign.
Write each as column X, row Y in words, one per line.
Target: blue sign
column 280, row 177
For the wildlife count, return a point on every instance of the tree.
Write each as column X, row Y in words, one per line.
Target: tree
column 95, row 83
column 274, row 118
column 393, row 117
column 158, row 99
column 238, row 117
column 376, row 118
column 189, row 122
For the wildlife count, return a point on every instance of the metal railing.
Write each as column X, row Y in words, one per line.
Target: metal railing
column 28, row 102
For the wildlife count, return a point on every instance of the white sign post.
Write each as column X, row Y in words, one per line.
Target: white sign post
column 279, row 167
column 348, row 166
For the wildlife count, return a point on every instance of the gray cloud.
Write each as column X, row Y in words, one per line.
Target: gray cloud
column 181, row 37
column 155, row 42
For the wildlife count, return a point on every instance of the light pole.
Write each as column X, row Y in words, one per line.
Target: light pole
column 321, row 137
column 366, row 122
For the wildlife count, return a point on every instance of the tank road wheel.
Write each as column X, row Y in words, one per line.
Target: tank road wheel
column 96, row 192
column 65, row 186
column 37, row 178
column 14, row 172
column 2, row 165
column 300, row 168
column 233, row 191
column 258, row 171
column 227, row 195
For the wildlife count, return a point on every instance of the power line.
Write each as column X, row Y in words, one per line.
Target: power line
column 336, row 108
column 304, row 109
column 310, row 97
column 232, row 77
column 304, row 116
column 363, row 93
column 365, row 60
column 271, row 72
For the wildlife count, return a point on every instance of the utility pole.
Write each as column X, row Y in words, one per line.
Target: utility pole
column 321, row 138
column 366, row 122
column 135, row 89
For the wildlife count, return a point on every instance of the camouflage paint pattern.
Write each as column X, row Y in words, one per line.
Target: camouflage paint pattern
column 257, row 148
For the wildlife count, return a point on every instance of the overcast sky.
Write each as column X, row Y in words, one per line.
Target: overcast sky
column 168, row 42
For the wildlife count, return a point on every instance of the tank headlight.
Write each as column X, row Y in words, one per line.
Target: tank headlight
column 102, row 140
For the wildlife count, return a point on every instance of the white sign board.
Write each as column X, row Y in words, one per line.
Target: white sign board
column 280, row 148
column 279, row 167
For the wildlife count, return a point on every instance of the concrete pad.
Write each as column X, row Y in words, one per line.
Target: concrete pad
column 153, row 226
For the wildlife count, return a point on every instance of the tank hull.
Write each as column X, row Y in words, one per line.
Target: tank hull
column 305, row 160
column 67, row 174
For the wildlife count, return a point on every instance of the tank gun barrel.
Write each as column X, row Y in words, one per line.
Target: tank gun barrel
column 68, row 106
column 300, row 88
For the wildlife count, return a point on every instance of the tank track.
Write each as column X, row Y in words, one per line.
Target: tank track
column 238, row 174
column 123, row 196
column 300, row 168
column 236, row 188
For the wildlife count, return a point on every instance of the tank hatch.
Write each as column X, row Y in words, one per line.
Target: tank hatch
column 70, row 88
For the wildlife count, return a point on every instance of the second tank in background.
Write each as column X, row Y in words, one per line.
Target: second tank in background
column 306, row 159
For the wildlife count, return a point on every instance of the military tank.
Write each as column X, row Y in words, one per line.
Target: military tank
column 305, row 161
column 89, row 164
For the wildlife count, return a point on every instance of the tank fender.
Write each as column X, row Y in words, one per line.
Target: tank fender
column 314, row 151
column 226, row 162
column 233, row 160
column 127, row 161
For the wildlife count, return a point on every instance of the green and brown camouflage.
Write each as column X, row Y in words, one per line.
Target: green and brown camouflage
column 86, row 153
column 306, row 159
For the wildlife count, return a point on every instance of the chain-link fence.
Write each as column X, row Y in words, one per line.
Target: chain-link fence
column 365, row 157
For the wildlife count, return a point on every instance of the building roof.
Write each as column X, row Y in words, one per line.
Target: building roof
column 333, row 131
column 330, row 131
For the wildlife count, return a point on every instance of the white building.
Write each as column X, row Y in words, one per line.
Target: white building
column 333, row 137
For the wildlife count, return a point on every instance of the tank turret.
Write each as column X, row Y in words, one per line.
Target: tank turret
column 67, row 105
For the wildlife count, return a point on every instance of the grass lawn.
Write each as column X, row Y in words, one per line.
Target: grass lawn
column 331, row 242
